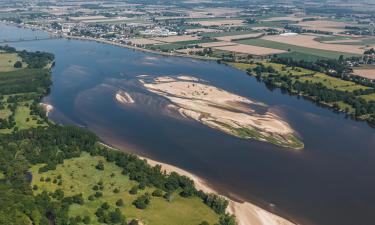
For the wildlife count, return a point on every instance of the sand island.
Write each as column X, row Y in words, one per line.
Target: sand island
column 222, row 110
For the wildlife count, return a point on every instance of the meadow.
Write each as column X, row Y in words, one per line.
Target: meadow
column 80, row 176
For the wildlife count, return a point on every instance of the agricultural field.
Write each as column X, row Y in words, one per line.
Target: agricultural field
column 81, row 176
column 307, row 53
column 366, row 73
column 250, row 49
column 308, row 41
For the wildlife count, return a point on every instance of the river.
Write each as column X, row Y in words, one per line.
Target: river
column 330, row 182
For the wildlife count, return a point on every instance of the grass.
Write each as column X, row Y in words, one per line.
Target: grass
column 369, row 98
column 242, row 66
column 293, row 48
column 7, row 61
column 345, row 107
column 79, row 175
column 2, row 175
column 333, row 82
column 302, row 75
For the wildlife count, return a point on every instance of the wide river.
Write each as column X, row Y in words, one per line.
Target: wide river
column 330, row 182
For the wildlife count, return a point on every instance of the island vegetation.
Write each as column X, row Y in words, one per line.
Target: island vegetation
column 222, row 110
column 53, row 174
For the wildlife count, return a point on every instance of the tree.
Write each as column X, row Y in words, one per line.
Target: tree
column 133, row 190
column 86, row 220
column 100, row 165
column 105, row 205
column 18, row 64
column 142, row 201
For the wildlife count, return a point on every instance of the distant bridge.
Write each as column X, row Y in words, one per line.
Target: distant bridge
column 3, row 41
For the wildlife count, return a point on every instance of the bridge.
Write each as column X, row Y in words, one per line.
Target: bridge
column 4, row 41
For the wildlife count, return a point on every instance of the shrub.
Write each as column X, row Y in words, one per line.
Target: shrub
column 157, row 193
column 142, row 201
column 98, row 194
column 100, row 166
column 133, row 190
column 105, row 205
column 86, row 220
column 120, row 202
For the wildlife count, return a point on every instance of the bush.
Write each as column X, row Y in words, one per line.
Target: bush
column 133, row 190
column 157, row 193
column 35, row 187
column 133, row 222
column 86, row 220
column 120, row 202
column 18, row 64
column 116, row 190
column 105, row 205
column 142, row 201
column 98, row 194
column 100, row 166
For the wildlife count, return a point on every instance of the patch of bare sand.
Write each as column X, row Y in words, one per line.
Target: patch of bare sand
column 222, row 110
column 366, row 73
column 124, row 97
column 246, row 213
column 309, row 41
column 46, row 107
column 219, row 22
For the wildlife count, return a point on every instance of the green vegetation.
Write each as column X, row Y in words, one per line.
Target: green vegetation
column 51, row 174
column 8, row 61
column 79, row 175
column 347, row 95
column 21, row 90
column 306, row 53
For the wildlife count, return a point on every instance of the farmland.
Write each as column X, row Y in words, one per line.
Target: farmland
column 307, row 52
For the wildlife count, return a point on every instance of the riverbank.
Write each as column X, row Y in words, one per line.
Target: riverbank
column 246, row 213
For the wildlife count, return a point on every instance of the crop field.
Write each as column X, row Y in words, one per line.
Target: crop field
column 293, row 48
column 80, row 176
column 366, row 73
column 308, row 41
column 250, row 49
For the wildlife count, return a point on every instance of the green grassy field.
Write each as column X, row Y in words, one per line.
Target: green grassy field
column 7, row 61
column 307, row 52
column 307, row 75
column 79, row 175
column 370, row 97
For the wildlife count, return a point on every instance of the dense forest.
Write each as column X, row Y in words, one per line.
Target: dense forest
column 51, row 145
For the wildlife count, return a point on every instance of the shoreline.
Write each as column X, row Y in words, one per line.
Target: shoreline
column 246, row 213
